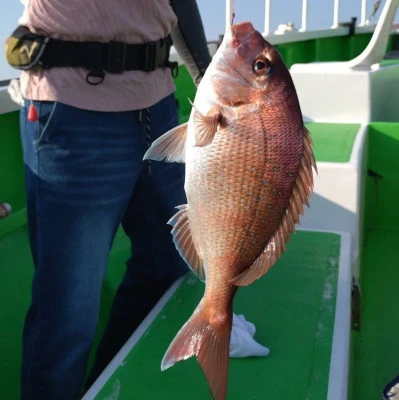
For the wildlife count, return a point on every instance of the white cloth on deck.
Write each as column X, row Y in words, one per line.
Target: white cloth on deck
column 242, row 342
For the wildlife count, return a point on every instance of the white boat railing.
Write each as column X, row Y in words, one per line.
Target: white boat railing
column 363, row 21
column 363, row 12
column 229, row 12
column 268, row 5
column 336, row 14
column 304, row 24
column 375, row 50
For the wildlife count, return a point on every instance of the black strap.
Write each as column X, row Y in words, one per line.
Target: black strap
column 113, row 57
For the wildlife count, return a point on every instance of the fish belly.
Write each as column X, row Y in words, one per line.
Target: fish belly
column 238, row 189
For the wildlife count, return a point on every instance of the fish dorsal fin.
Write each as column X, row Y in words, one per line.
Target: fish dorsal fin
column 300, row 195
column 184, row 241
column 170, row 146
column 205, row 128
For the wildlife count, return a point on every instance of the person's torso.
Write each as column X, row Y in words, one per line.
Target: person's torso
column 130, row 21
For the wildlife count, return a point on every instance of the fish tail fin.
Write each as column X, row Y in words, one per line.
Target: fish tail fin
column 207, row 337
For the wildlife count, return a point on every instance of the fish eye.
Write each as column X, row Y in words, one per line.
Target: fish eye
column 261, row 66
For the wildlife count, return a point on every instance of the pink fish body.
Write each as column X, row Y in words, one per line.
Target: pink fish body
column 248, row 173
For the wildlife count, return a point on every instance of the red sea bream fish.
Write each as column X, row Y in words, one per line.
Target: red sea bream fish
column 249, row 166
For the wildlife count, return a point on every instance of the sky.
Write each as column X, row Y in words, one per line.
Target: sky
column 213, row 16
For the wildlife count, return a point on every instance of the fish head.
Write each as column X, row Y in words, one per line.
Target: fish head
column 248, row 69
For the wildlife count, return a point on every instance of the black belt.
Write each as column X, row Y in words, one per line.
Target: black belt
column 113, row 57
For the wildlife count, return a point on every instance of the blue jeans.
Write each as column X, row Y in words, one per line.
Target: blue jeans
column 84, row 176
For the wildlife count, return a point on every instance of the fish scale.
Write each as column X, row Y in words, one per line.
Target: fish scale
column 231, row 214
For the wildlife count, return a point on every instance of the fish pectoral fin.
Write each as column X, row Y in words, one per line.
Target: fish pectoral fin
column 170, row 146
column 301, row 193
column 184, row 241
column 205, row 128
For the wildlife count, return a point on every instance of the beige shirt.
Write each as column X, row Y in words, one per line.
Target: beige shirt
column 130, row 21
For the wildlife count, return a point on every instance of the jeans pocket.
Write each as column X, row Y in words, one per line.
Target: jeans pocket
column 49, row 113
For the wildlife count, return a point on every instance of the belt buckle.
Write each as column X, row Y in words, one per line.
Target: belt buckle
column 116, row 57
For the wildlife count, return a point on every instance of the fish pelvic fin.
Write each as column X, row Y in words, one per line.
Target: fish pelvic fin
column 208, row 338
column 184, row 241
column 300, row 195
column 170, row 146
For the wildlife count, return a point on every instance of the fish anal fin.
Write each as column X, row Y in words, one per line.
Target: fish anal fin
column 261, row 265
column 205, row 127
column 208, row 338
column 170, row 146
column 184, row 241
column 301, row 193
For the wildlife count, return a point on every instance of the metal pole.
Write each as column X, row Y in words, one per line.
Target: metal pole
column 304, row 15
column 363, row 13
column 229, row 13
column 336, row 14
column 267, row 17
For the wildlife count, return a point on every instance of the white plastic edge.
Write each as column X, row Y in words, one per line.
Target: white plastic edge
column 298, row 36
column 358, row 146
column 339, row 364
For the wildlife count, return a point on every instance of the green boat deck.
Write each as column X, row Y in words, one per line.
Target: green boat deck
column 293, row 308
